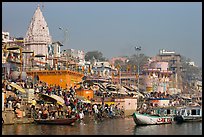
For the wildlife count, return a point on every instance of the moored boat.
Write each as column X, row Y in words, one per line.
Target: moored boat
column 188, row 114
column 146, row 119
column 61, row 121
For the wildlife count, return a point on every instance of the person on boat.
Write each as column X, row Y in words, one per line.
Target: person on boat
column 52, row 111
column 45, row 114
column 39, row 114
column 60, row 111
column 33, row 104
column 81, row 115
column 69, row 112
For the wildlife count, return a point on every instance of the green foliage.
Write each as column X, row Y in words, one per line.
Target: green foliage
column 96, row 54
column 190, row 72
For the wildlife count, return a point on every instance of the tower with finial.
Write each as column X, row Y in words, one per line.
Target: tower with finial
column 38, row 37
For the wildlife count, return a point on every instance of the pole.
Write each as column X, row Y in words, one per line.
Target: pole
column 120, row 76
column 65, row 35
column 138, row 64
column 138, row 72
column 21, row 60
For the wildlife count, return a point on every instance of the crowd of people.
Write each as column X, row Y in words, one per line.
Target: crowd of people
column 42, row 108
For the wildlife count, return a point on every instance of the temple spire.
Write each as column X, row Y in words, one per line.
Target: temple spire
column 37, row 36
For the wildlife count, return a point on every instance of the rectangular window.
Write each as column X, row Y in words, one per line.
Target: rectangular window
column 182, row 112
column 168, row 111
column 193, row 112
column 198, row 111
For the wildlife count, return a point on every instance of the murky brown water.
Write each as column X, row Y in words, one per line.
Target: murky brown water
column 108, row 127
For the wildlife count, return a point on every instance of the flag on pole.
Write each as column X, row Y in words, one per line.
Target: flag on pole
column 135, row 67
column 82, row 68
column 128, row 68
column 89, row 69
column 112, row 75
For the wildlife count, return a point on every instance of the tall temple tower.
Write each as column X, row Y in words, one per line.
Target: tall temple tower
column 37, row 37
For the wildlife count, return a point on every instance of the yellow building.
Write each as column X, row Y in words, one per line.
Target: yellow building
column 62, row 78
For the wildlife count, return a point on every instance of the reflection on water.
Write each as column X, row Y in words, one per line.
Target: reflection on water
column 109, row 127
column 191, row 128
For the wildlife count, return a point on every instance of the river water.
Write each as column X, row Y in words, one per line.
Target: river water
column 118, row 126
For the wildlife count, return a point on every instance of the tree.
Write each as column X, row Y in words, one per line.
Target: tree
column 134, row 61
column 189, row 72
column 96, row 54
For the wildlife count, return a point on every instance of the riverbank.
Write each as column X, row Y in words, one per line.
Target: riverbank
column 120, row 126
column 10, row 118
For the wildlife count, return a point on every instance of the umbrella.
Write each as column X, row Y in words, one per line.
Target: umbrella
column 132, row 92
column 111, row 88
column 86, row 101
column 113, row 91
column 18, row 87
column 100, row 85
column 122, row 90
column 27, row 51
column 83, row 99
column 12, row 48
column 56, row 98
column 39, row 55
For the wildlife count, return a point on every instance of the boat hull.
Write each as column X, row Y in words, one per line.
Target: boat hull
column 189, row 114
column 56, row 121
column 145, row 119
column 181, row 119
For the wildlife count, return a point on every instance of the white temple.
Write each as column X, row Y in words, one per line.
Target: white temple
column 37, row 37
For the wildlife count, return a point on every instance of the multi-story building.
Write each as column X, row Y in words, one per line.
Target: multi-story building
column 103, row 69
column 53, row 54
column 156, row 77
column 174, row 65
column 11, row 56
column 78, row 55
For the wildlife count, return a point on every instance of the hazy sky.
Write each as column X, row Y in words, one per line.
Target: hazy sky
column 115, row 28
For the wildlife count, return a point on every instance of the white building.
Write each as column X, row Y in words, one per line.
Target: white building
column 38, row 37
column 163, row 51
column 191, row 63
column 103, row 69
column 6, row 37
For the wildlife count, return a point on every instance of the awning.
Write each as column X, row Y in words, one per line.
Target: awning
column 132, row 92
column 122, row 91
column 86, row 101
column 83, row 99
column 18, row 87
column 56, row 98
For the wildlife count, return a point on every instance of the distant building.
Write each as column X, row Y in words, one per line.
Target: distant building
column 6, row 37
column 112, row 60
column 174, row 63
column 77, row 54
column 191, row 63
column 103, row 69
column 54, row 53
column 156, row 77
column 164, row 52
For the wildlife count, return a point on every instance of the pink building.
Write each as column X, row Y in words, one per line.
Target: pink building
column 156, row 78
column 112, row 60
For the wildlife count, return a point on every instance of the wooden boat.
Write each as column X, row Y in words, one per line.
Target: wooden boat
column 146, row 119
column 188, row 114
column 61, row 121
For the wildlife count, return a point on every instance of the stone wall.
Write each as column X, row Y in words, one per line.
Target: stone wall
column 8, row 117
